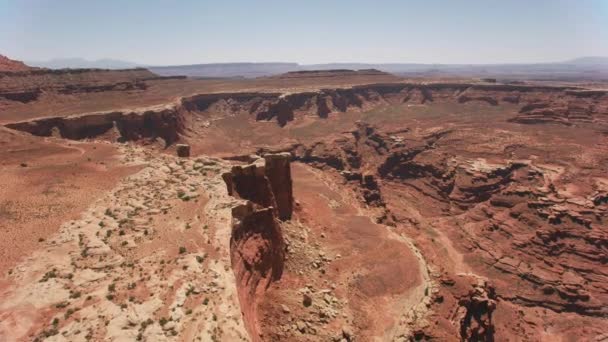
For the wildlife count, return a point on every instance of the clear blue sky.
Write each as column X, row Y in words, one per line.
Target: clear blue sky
column 306, row 31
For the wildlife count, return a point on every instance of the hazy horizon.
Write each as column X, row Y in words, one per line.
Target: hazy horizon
column 78, row 59
column 312, row 32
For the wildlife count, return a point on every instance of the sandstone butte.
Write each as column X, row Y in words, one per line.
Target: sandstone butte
column 312, row 206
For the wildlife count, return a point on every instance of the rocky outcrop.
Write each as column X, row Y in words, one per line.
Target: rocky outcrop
column 257, row 246
column 183, row 150
column 268, row 110
column 21, row 96
column 266, row 182
column 249, row 182
column 257, row 253
column 503, row 214
column 345, row 153
column 232, row 102
column 584, row 105
column 144, row 125
column 573, row 108
column 488, row 99
column 321, row 155
column 71, row 81
column 371, row 191
column 119, row 86
column 10, row 65
column 279, row 175
column 475, row 313
column 513, row 215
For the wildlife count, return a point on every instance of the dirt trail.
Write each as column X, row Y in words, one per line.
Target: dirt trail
column 150, row 260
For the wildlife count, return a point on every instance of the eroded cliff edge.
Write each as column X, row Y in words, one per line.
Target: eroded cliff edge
column 535, row 105
column 257, row 247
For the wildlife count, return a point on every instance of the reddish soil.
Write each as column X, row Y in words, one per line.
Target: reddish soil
column 45, row 183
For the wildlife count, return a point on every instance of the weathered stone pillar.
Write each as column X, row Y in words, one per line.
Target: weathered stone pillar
column 278, row 172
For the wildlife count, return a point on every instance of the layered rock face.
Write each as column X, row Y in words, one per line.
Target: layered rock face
column 72, row 81
column 563, row 105
column 250, row 183
column 535, row 228
column 142, row 125
column 557, row 105
column 575, row 107
column 257, row 245
column 257, row 254
column 20, row 83
column 7, row 64
column 278, row 173
column 266, row 182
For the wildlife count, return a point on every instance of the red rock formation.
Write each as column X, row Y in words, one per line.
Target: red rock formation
column 508, row 217
column 74, row 81
column 280, row 109
column 21, row 96
column 183, row 150
column 249, row 182
column 583, row 106
column 278, row 173
column 475, row 313
column 556, row 105
column 266, row 182
column 119, row 86
column 257, row 246
column 7, row 64
column 569, row 108
column 490, row 100
column 257, row 252
column 144, row 126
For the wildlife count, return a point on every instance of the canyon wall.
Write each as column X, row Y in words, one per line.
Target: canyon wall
column 558, row 105
column 257, row 247
column 28, row 85
column 509, row 214
column 142, row 125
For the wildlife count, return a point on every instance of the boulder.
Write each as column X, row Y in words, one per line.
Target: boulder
column 183, row 150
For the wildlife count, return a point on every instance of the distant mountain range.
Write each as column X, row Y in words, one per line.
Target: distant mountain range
column 587, row 68
column 595, row 67
column 590, row 60
column 248, row 70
